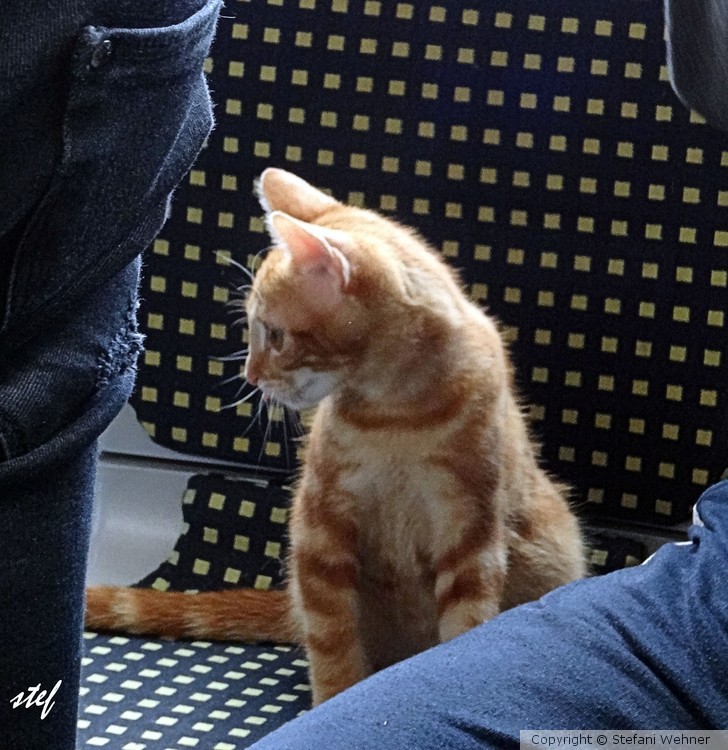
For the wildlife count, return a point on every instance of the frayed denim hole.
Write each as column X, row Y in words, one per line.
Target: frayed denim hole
column 124, row 349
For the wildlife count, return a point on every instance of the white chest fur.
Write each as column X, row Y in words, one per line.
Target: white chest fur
column 396, row 505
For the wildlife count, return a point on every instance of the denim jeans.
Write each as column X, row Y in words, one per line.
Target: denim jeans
column 697, row 55
column 103, row 108
column 641, row 648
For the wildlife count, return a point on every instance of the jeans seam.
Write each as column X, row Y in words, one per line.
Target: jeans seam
column 12, row 438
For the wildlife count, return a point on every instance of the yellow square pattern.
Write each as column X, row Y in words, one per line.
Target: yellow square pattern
column 542, row 153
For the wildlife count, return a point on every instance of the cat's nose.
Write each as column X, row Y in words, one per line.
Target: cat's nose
column 251, row 375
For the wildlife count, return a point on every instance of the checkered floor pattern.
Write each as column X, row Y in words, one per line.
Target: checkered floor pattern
column 139, row 694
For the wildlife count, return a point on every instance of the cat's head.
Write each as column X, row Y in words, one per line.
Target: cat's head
column 345, row 296
column 305, row 326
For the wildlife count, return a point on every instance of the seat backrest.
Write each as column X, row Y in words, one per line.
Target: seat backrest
column 540, row 146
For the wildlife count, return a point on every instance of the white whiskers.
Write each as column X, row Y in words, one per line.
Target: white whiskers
column 234, row 357
column 231, row 379
column 268, row 415
column 240, row 401
column 229, row 261
column 268, row 409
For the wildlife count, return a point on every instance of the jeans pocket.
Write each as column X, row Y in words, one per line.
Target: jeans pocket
column 137, row 114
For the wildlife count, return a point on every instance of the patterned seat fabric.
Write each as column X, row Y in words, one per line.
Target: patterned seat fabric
column 235, row 536
column 138, row 694
column 540, row 147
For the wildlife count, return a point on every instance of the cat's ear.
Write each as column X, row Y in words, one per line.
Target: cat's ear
column 315, row 252
column 279, row 190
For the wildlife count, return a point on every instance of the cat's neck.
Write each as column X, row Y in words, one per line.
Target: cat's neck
column 423, row 374
column 365, row 411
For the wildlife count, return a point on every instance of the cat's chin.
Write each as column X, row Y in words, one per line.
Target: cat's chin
column 308, row 389
column 298, row 403
column 293, row 401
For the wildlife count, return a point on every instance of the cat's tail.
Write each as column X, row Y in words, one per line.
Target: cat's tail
column 233, row 614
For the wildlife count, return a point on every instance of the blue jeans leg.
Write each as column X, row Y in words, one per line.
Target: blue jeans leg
column 56, row 395
column 45, row 526
column 103, row 107
column 642, row 648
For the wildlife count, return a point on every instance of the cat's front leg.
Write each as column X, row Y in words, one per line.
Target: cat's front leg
column 468, row 586
column 324, row 590
column 324, row 579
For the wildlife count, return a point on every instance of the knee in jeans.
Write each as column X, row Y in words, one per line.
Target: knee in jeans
column 58, row 376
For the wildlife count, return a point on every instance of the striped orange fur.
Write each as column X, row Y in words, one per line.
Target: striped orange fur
column 421, row 510
column 236, row 614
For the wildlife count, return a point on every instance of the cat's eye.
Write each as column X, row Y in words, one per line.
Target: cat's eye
column 276, row 338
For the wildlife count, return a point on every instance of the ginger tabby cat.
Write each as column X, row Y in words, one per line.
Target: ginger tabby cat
column 421, row 509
